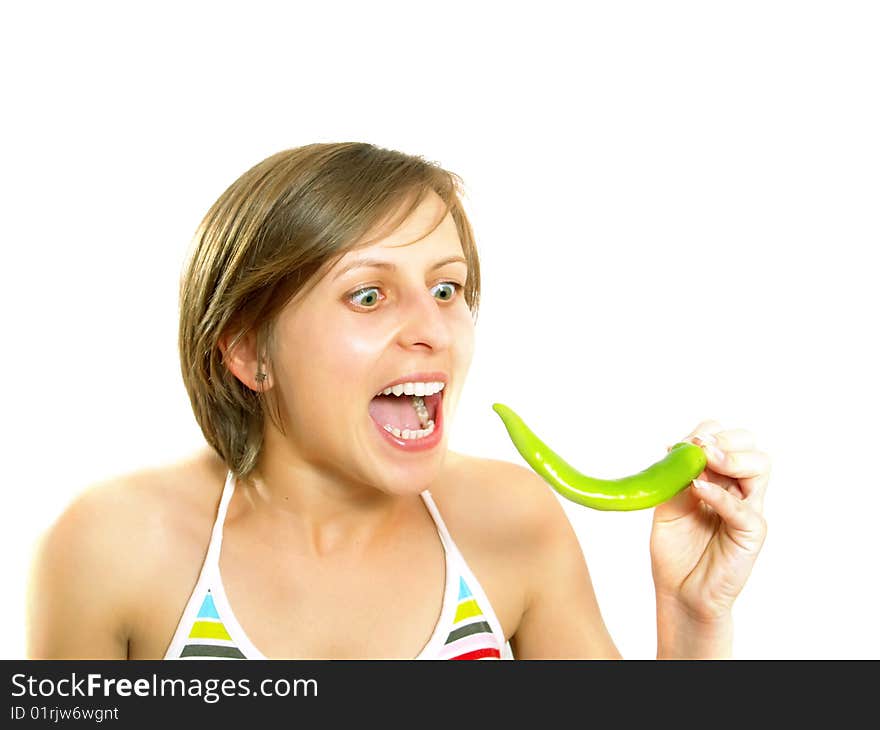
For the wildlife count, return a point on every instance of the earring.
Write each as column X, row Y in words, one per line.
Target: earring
column 261, row 377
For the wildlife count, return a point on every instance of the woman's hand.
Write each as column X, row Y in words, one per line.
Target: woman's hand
column 705, row 540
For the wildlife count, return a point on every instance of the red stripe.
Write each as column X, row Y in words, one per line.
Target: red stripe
column 479, row 654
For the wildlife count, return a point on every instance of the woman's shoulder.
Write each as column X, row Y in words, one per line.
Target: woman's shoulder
column 507, row 522
column 517, row 537
column 110, row 544
column 146, row 508
column 498, row 500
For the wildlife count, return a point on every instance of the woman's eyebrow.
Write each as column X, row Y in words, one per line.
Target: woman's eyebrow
column 379, row 264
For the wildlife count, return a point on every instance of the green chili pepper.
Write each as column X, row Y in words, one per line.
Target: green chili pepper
column 648, row 488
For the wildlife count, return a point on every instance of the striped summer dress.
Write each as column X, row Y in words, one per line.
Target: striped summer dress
column 467, row 628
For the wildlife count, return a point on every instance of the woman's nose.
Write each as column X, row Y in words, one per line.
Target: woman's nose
column 423, row 323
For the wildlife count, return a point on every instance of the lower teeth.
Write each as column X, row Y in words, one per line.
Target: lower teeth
column 411, row 435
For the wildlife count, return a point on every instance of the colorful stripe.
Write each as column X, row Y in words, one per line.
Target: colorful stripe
column 208, row 637
column 207, row 651
column 487, row 653
column 480, row 627
column 471, row 636
column 209, row 630
column 208, row 609
column 467, row 609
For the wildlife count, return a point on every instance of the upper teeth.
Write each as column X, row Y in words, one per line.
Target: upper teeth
column 413, row 389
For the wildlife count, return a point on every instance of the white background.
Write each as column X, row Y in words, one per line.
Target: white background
column 676, row 206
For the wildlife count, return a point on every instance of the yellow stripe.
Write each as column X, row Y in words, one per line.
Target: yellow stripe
column 208, row 630
column 466, row 609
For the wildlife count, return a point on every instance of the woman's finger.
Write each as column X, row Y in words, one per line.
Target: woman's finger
column 731, row 439
column 741, row 465
column 735, row 439
column 755, row 488
column 747, row 527
column 729, row 483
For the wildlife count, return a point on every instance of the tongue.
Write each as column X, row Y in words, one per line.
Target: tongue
column 396, row 411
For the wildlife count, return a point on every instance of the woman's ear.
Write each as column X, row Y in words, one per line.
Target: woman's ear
column 242, row 360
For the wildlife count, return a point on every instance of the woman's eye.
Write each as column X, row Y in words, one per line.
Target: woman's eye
column 448, row 289
column 366, row 297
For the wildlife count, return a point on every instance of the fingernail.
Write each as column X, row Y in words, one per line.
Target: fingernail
column 700, row 484
column 715, row 453
column 704, row 438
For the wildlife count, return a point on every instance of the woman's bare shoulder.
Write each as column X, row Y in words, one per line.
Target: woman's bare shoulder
column 499, row 499
column 505, row 519
column 145, row 508
column 514, row 526
column 97, row 559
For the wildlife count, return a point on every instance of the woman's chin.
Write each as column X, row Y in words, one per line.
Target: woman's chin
column 404, row 480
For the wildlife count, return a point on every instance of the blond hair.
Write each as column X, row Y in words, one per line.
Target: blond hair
column 269, row 236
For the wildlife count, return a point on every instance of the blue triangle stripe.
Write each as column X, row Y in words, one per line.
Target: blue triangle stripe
column 463, row 590
column 208, row 609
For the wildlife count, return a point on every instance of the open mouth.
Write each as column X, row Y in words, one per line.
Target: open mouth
column 408, row 410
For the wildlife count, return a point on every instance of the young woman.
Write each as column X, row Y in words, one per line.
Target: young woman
column 326, row 329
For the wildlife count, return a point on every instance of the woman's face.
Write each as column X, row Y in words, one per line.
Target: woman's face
column 363, row 327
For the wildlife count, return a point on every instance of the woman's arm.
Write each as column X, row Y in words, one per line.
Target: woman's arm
column 78, row 576
column 562, row 619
